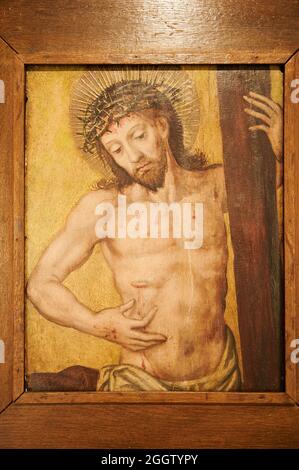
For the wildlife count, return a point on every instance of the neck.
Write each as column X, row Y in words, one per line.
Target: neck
column 168, row 192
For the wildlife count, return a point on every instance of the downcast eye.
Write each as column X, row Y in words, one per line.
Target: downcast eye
column 140, row 136
column 118, row 150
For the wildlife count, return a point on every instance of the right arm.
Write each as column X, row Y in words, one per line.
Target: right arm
column 71, row 248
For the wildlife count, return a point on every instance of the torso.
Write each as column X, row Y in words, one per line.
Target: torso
column 187, row 285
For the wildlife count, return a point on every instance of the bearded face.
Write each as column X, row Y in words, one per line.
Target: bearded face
column 137, row 143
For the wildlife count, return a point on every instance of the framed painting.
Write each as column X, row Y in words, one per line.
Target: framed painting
column 149, row 231
column 126, row 293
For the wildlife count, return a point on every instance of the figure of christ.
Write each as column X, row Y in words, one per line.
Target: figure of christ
column 170, row 323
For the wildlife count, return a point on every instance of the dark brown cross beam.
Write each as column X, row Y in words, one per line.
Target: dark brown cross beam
column 249, row 166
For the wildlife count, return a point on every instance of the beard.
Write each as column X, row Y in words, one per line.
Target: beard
column 153, row 176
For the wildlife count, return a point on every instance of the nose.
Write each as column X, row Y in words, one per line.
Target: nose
column 133, row 154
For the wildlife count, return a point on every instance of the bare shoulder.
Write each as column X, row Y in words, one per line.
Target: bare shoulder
column 212, row 175
column 89, row 200
column 83, row 214
column 215, row 173
column 218, row 180
column 210, row 181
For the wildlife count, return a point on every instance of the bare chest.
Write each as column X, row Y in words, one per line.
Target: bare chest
column 142, row 228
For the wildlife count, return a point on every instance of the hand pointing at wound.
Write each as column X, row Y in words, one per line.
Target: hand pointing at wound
column 112, row 324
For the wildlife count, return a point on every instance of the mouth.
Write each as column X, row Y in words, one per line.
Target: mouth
column 143, row 168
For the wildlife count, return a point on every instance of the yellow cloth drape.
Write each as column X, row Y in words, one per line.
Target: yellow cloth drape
column 126, row 377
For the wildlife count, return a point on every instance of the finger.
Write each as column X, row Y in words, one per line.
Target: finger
column 136, row 348
column 147, row 319
column 146, row 336
column 258, row 115
column 127, row 306
column 270, row 111
column 139, row 345
column 259, row 127
column 263, row 98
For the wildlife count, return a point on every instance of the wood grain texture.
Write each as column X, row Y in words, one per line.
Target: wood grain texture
column 146, row 32
column 155, row 397
column 149, row 426
column 11, row 144
column 18, row 231
column 150, row 31
column 251, row 195
column 291, row 241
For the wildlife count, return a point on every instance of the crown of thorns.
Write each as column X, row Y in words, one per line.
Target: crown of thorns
column 105, row 95
column 116, row 102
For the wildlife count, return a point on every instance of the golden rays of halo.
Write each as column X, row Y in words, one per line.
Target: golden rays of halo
column 173, row 82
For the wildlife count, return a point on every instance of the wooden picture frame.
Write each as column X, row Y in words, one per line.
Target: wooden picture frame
column 157, row 33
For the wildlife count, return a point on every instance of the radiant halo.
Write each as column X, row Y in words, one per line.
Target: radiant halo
column 171, row 81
